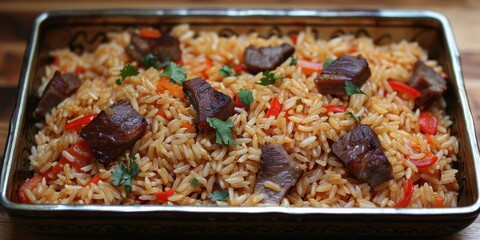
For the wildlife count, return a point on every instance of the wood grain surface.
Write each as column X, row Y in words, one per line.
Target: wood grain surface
column 16, row 17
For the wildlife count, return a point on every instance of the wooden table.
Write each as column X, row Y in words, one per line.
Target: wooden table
column 16, row 17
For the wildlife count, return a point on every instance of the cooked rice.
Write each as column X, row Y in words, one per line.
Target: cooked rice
column 171, row 156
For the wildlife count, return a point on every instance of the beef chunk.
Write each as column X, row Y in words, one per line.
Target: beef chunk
column 114, row 130
column 58, row 89
column 208, row 102
column 345, row 68
column 278, row 167
column 428, row 82
column 361, row 153
column 266, row 58
column 163, row 48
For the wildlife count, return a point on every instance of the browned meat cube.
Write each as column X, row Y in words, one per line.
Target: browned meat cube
column 277, row 167
column 361, row 153
column 114, row 130
column 58, row 89
column 163, row 48
column 208, row 102
column 345, row 68
column 266, row 58
column 428, row 82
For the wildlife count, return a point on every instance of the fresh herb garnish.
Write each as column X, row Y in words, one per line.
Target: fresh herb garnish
column 351, row 89
column 356, row 118
column 126, row 71
column 246, row 97
column 327, row 62
column 175, row 73
column 293, row 62
column 219, row 194
column 226, row 71
column 149, row 60
column 122, row 174
column 223, row 132
column 195, row 182
column 268, row 78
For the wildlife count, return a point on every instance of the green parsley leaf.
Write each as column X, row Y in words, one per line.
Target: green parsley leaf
column 122, row 175
column 226, row 71
column 351, row 89
column 246, row 97
column 268, row 79
column 176, row 73
column 219, row 195
column 118, row 81
column 127, row 71
column 293, row 62
column 223, row 132
column 327, row 62
column 356, row 118
column 195, row 182
column 149, row 60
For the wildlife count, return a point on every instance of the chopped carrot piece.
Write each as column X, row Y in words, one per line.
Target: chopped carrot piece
column 310, row 67
column 163, row 196
column 149, row 33
column 95, row 179
column 439, row 200
column 175, row 89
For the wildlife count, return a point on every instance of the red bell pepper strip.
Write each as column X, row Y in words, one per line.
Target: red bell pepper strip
column 424, row 162
column 208, row 64
column 428, row 122
column 404, row 88
column 275, row 107
column 163, row 196
column 238, row 68
column 439, row 200
column 336, row 108
column 77, row 124
column 79, row 70
column 294, row 38
column 82, row 155
column 309, row 67
column 95, row 179
column 30, row 184
column 408, row 193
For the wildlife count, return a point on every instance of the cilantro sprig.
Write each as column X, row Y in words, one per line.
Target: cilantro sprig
column 293, row 62
column 126, row 71
column 195, row 182
column 175, row 73
column 246, row 97
column 268, row 78
column 327, row 62
column 356, row 118
column 219, row 194
column 149, row 60
column 226, row 71
column 351, row 89
column 223, row 132
column 123, row 174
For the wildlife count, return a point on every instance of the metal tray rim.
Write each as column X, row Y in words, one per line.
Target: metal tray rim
column 401, row 14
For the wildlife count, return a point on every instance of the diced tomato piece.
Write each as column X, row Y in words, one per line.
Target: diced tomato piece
column 30, row 184
column 294, row 38
column 424, row 162
column 275, row 107
column 336, row 108
column 47, row 174
column 208, row 64
column 238, row 68
column 404, row 88
column 95, row 179
column 79, row 70
column 407, row 194
column 56, row 61
column 310, row 67
column 59, row 167
column 82, row 155
column 77, row 124
column 428, row 122
column 149, row 33
column 163, row 196
column 439, row 200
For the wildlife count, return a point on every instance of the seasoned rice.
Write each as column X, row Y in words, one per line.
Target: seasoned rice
column 170, row 155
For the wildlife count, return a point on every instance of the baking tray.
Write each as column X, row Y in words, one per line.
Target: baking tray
column 83, row 30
